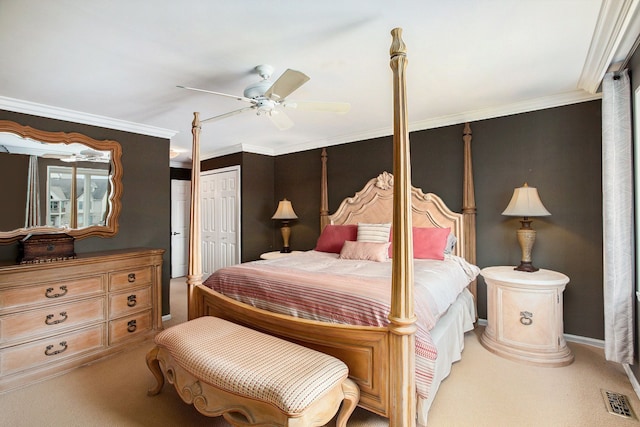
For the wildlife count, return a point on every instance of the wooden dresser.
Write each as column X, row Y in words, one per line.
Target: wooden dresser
column 58, row 315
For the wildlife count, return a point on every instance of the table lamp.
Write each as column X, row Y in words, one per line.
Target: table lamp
column 285, row 213
column 526, row 203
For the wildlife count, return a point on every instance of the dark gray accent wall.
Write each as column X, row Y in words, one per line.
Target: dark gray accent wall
column 146, row 200
column 556, row 150
column 14, row 173
column 256, row 180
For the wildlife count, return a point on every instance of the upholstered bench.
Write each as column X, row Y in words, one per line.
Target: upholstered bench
column 249, row 377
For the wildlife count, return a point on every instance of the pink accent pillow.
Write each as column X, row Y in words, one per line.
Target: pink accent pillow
column 428, row 242
column 366, row 251
column 333, row 237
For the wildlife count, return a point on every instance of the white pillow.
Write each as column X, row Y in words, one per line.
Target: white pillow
column 451, row 243
column 373, row 232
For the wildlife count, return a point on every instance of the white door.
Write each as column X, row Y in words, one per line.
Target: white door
column 180, row 205
column 220, row 199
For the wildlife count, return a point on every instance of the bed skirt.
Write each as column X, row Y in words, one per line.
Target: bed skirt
column 448, row 337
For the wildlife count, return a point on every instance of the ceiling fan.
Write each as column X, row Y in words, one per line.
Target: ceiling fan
column 266, row 97
column 82, row 156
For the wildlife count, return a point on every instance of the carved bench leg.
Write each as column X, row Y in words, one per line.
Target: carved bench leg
column 154, row 367
column 351, row 398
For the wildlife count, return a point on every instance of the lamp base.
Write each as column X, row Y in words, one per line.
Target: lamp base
column 526, row 266
column 285, row 250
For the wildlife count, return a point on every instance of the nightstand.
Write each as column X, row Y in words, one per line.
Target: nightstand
column 524, row 316
column 277, row 254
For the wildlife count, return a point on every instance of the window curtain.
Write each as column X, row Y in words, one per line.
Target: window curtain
column 32, row 211
column 618, row 223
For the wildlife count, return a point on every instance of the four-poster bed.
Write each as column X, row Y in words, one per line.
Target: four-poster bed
column 381, row 358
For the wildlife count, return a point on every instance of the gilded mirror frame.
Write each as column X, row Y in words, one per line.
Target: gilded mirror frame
column 115, row 181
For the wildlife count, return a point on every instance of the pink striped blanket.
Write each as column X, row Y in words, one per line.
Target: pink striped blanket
column 318, row 286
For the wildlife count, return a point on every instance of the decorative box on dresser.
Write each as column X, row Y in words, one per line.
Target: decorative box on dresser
column 55, row 316
column 524, row 316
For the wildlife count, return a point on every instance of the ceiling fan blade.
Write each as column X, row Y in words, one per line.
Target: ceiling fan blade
column 225, row 115
column 280, row 119
column 288, row 82
column 331, row 107
column 236, row 97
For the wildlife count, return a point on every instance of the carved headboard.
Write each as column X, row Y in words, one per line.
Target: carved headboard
column 374, row 204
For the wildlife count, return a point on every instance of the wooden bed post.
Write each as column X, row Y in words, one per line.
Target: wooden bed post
column 402, row 317
column 194, row 273
column 324, row 192
column 469, row 206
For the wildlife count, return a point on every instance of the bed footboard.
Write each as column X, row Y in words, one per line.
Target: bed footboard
column 364, row 349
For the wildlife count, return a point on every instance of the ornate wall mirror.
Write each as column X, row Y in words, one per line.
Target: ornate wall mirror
column 56, row 182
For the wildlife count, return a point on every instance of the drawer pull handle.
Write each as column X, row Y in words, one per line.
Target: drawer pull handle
column 48, row 351
column 49, row 293
column 131, row 300
column 131, row 277
column 48, row 320
column 131, row 326
column 526, row 318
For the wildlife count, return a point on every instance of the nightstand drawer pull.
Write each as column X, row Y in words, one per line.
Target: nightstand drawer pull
column 526, row 318
column 48, row 351
column 131, row 277
column 48, row 293
column 48, row 320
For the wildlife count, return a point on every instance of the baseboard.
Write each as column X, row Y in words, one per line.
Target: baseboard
column 584, row 340
column 632, row 379
column 595, row 343
column 166, row 317
column 568, row 337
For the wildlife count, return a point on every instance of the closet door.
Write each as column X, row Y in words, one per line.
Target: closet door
column 220, row 201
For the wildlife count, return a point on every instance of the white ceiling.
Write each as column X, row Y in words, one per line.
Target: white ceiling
column 116, row 63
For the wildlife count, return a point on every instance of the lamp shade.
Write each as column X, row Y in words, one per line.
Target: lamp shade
column 526, row 203
column 284, row 211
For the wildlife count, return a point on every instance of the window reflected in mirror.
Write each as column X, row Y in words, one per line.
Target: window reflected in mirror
column 89, row 189
column 58, row 182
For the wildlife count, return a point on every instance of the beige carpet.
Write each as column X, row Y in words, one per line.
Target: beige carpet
column 482, row 390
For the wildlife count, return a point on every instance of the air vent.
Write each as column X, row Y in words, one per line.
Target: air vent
column 618, row 404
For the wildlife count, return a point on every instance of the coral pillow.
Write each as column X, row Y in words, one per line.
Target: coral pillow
column 366, row 251
column 428, row 242
column 333, row 237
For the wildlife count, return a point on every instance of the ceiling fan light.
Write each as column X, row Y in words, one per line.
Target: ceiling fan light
column 265, row 106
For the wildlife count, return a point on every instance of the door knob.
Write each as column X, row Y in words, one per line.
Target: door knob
column 175, row 233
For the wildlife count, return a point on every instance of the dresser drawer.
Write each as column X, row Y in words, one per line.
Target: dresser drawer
column 124, row 303
column 128, row 327
column 133, row 278
column 50, row 293
column 51, row 350
column 50, row 320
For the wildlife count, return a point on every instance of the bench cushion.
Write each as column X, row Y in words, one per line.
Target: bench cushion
column 252, row 364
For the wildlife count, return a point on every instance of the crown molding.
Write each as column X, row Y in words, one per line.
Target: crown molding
column 557, row 100
column 543, row 103
column 26, row 107
column 617, row 21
